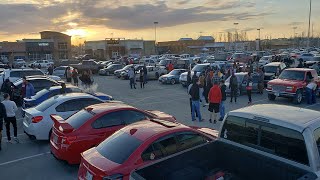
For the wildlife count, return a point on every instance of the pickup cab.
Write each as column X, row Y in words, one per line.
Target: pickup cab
column 291, row 84
column 88, row 65
column 257, row 142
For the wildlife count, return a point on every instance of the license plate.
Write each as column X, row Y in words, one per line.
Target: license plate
column 89, row 176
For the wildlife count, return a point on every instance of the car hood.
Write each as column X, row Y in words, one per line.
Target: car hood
column 167, row 76
column 96, row 160
column 162, row 115
column 57, row 78
column 269, row 74
column 285, row 82
column 102, row 96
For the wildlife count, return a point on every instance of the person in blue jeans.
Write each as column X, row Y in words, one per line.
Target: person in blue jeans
column 311, row 92
column 195, row 98
column 223, row 88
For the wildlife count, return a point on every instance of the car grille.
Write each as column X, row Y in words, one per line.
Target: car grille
column 278, row 88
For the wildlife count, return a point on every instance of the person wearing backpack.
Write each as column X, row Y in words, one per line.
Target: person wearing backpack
column 234, row 87
column 3, row 115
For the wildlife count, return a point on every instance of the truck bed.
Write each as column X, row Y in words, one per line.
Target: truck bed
column 239, row 163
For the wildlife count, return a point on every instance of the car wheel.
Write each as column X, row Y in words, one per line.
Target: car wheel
column 298, row 97
column 157, row 76
column 107, row 73
column 271, row 97
column 50, row 132
column 173, row 81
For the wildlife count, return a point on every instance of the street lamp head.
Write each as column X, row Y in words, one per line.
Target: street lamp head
column 155, row 22
column 235, row 23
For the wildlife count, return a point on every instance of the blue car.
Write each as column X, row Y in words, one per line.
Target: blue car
column 172, row 77
column 45, row 94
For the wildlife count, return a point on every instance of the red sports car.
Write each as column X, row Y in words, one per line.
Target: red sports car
column 88, row 127
column 139, row 144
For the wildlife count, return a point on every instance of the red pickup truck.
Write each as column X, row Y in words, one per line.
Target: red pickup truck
column 291, row 84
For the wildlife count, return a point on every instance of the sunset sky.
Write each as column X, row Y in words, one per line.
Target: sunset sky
column 99, row 19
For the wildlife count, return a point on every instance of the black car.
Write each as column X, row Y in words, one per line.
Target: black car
column 38, row 82
column 272, row 71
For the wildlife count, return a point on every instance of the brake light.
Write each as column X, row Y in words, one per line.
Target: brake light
column 37, row 119
column 68, row 140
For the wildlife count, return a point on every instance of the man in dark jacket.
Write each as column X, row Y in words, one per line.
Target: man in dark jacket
column 234, row 87
column 195, row 99
column 223, row 88
column 3, row 114
column 145, row 73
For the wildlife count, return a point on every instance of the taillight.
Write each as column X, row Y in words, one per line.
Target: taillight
column 68, row 140
column 37, row 119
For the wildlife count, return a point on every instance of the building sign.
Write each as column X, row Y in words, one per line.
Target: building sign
column 43, row 44
column 113, row 41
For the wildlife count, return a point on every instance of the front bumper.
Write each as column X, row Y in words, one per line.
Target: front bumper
column 281, row 93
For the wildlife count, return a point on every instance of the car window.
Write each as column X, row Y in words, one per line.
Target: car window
column 31, row 73
column 316, row 134
column 153, row 152
column 46, row 104
column 89, row 101
column 272, row 139
column 118, row 147
column 189, row 139
column 169, row 145
column 15, row 74
column 108, row 120
column 79, row 118
column 54, row 93
column 41, row 93
column 70, row 105
column 130, row 117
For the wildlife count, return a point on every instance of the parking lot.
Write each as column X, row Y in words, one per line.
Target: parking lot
column 32, row 159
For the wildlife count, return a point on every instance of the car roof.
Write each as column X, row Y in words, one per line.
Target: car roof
column 273, row 63
column 22, row 69
column 74, row 96
column 149, row 128
column 286, row 116
column 59, row 87
column 299, row 69
column 111, row 105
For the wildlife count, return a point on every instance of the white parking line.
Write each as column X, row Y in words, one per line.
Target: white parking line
column 25, row 158
column 260, row 100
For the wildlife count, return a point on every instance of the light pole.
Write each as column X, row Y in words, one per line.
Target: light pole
column 235, row 34
column 294, row 35
column 155, row 34
column 309, row 23
column 259, row 40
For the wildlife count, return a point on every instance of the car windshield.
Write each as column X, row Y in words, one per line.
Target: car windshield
column 46, row 104
column 40, row 93
column 127, row 67
column 270, row 69
column 118, row 147
column 79, row 118
column 199, row 67
column 174, row 72
column 292, row 75
column 163, row 62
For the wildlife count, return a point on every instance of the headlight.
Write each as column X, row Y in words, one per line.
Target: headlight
column 269, row 86
column 289, row 88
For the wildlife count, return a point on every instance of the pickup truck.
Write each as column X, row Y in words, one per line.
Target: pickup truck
column 88, row 65
column 257, row 142
column 291, row 84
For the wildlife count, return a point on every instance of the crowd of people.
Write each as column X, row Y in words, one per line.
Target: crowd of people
column 142, row 77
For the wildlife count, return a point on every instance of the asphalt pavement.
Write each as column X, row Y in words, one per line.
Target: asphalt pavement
column 31, row 159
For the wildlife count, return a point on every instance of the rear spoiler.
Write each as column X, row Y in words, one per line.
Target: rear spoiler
column 59, row 123
column 56, row 118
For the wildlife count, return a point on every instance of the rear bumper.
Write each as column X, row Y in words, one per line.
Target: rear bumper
column 64, row 154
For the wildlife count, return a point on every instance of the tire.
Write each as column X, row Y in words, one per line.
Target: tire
column 271, row 97
column 173, row 81
column 298, row 97
column 157, row 75
column 107, row 73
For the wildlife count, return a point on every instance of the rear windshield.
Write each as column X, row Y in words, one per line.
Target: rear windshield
column 46, row 104
column 118, row 147
column 40, row 93
column 79, row 118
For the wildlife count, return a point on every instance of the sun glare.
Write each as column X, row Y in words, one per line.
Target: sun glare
column 76, row 32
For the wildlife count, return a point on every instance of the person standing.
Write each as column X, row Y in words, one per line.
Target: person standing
column 50, row 69
column 141, row 78
column 215, row 98
column 131, row 77
column 201, row 86
column 2, row 116
column 234, row 87
column 6, row 87
column 195, row 97
column 311, row 91
column 29, row 90
column 188, row 78
column 223, row 88
column 170, row 67
column 260, row 81
column 145, row 73
column 10, row 118
column 249, row 88
column 75, row 77
column 68, row 74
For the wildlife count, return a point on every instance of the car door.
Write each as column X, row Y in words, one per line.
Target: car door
column 68, row 108
column 105, row 126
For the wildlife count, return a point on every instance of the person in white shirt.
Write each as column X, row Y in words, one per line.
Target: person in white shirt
column 311, row 92
column 11, row 109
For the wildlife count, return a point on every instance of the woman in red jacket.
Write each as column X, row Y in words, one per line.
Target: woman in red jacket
column 214, row 101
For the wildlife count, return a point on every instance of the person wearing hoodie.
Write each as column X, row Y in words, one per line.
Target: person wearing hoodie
column 215, row 98
column 195, row 98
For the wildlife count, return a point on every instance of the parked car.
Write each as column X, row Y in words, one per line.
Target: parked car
column 45, row 94
column 19, row 63
column 172, row 77
column 241, row 57
column 61, row 71
column 41, row 64
column 94, row 124
column 257, row 142
column 88, row 65
column 137, row 68
column 149, row 62
column 37, row 123
column 242, row 83
column 145, row 142
column 110, row 69
column 38, row 82
column 117, row 73
column 265, row 60
column 199, row 68
column 307, row 57
column 291, row 84
column 154, row 72
column 273, row 70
